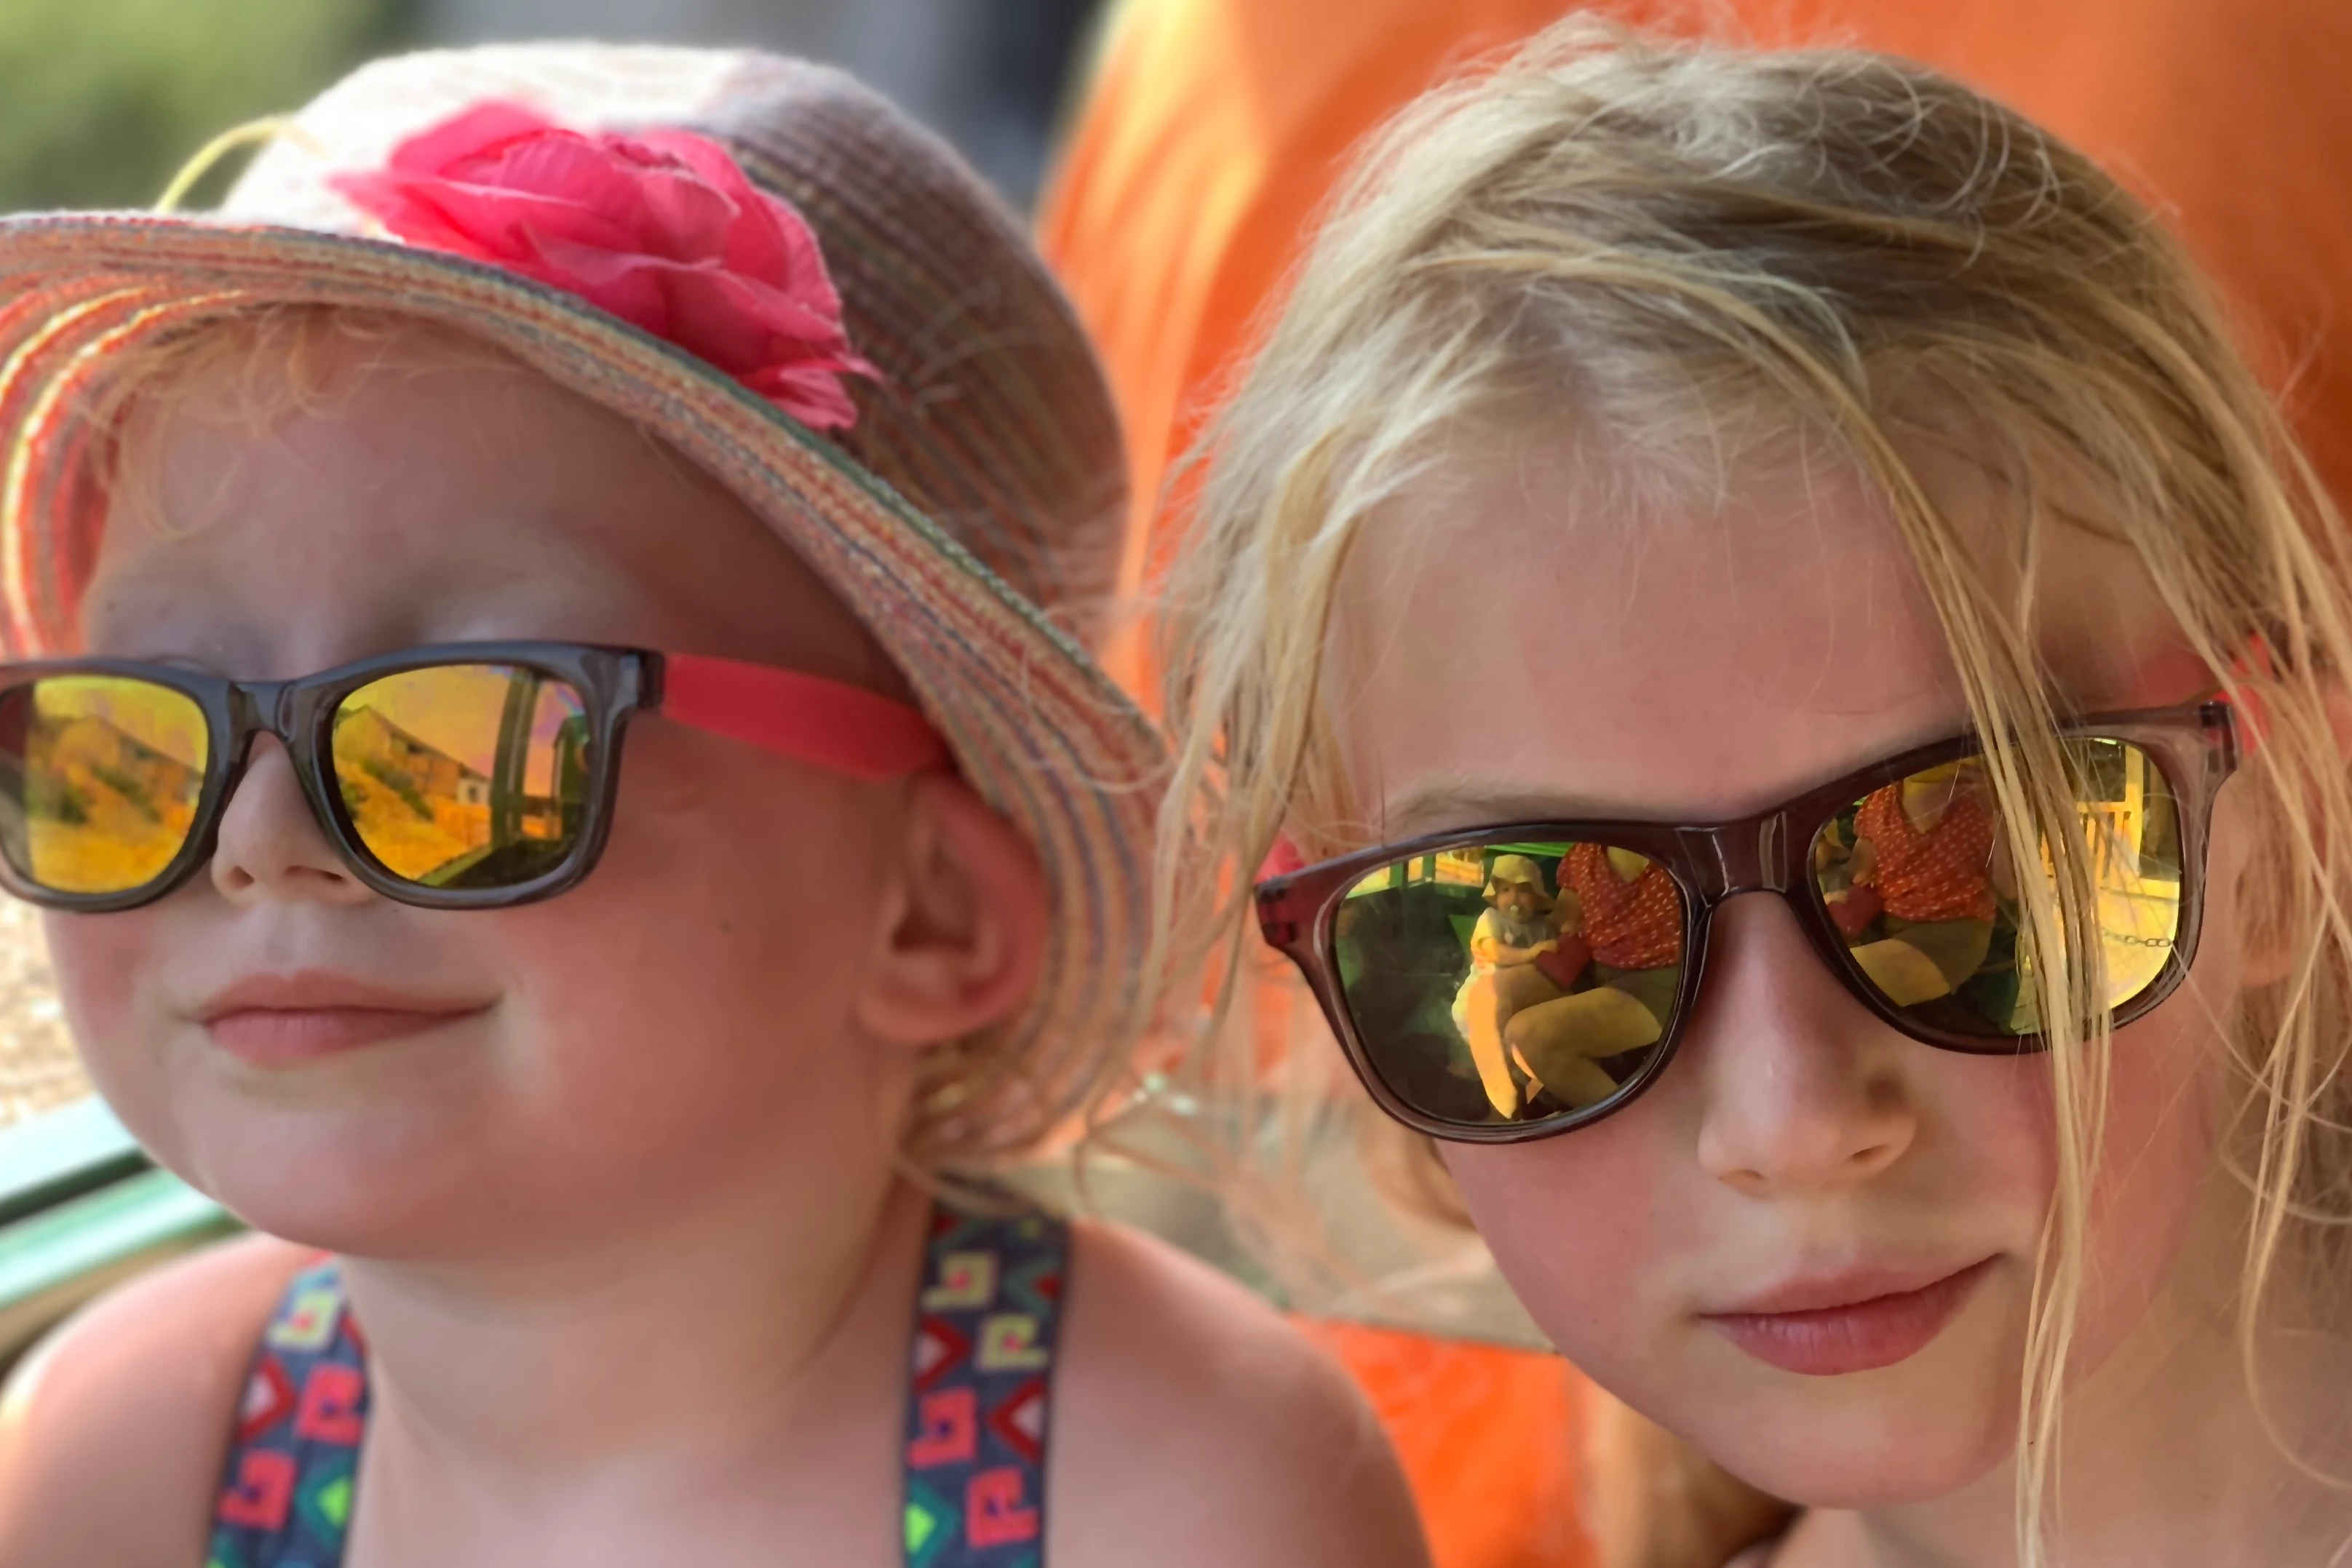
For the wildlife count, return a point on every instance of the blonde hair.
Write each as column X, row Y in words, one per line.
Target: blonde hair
column 1684, row 251
column 245, row 373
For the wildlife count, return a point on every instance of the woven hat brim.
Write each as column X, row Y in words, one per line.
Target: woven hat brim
column 1039, row 731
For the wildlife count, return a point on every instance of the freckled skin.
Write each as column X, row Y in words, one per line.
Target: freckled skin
column 1696, row 665
column 634, row 1243
column 514, row 511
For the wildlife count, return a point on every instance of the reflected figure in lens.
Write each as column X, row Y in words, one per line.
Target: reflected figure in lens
column 1918, row 904
column 464, row 775
column 1621, row 923
column 1515, row 930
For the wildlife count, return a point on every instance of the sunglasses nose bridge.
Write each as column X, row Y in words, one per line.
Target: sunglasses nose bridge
column 258, row 707
column 1742, row 857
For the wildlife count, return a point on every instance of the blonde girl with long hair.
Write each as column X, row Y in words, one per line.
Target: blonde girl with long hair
column 1821, row 521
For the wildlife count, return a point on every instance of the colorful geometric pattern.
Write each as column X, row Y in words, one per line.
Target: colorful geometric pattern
column 286, row 1500
column 985, row 1326
column 984, row 1334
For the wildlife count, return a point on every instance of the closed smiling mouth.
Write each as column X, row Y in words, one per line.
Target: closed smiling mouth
column 1855, row 1322
column 287, row 1021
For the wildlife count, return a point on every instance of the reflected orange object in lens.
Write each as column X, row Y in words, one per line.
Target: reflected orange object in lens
column 99, row 778
column 1916, row 879
column 467, row 776
column 1494, row 984
column 464, row 775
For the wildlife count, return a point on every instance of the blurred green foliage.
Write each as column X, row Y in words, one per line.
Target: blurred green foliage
column 101, row 101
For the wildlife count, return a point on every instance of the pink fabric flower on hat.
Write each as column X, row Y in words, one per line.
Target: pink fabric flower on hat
column 661, row 229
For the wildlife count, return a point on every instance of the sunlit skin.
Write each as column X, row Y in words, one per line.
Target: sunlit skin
column 543, row 541
column 617, row 1174
column 1699, row 662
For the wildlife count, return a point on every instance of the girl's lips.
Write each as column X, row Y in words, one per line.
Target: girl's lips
column 1870, row 1330
column 285, row 1022
column 288, row 1037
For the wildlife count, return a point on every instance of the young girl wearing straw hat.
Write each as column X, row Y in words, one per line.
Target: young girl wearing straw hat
column 548, row 701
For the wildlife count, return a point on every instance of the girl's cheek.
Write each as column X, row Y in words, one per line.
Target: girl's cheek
column 2162, row 1149
column 101, row 962
column 98, row 959
column 698, row 985
column 1576, row 1226
column 2168, row 1095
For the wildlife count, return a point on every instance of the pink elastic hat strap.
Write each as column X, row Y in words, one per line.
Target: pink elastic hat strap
column 842, row 727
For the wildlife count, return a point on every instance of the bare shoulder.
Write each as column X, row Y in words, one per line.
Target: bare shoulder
column 113, row 1430
column 1191, row 1424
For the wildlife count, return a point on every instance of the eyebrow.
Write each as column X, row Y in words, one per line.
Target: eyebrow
column 1440, row 805
column 1443, row 804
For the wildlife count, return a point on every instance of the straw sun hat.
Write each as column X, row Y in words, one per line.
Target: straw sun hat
column 970, row 515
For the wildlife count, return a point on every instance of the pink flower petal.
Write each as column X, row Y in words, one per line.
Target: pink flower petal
column 776, row 324
column 722, row 317
column 395, row 201
column 566, row 168
column 511, row 223
column 663, row 230
column 772, row 242
column 686, row 219
column 632, row 286
column 478, row 130
column 813, row 396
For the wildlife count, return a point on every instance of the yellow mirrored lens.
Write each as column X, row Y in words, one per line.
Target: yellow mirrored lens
column 1917, row 879
column 1510, row 983
column 100, row 775
column 465, row 776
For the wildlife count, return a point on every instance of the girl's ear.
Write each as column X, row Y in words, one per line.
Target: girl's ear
column 963, row 934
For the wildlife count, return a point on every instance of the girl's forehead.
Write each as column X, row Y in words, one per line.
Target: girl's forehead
column 420, row 492
column 1523, row 641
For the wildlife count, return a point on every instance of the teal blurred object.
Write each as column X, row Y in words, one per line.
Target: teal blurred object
column 101, row 101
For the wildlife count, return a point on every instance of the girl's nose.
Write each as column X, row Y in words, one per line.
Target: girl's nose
column 271, row 844
column 1803, row 1092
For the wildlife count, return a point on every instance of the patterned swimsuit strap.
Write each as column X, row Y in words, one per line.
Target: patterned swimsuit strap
column 987, row 1325
column 286, row 1500
column 987, row 1321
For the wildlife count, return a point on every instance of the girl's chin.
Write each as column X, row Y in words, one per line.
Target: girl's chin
column 353, row 1190
column 333, row 1220
column 1859, row 1450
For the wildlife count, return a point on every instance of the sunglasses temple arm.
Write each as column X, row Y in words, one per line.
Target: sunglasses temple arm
column 841, row 728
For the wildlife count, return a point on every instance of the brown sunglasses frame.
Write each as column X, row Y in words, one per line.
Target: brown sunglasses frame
column 614, row 684
column 2196, row 745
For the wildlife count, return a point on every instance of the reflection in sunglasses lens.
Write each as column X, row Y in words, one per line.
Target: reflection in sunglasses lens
column 465, row 776
column 1917, row 879
column 99, row 778
column 1511, row 983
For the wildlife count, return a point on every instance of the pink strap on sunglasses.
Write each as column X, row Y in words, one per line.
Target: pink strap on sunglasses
column 852, row 731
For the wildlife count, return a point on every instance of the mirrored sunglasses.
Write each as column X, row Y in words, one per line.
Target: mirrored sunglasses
column 1505, row 983
column 465, row 776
